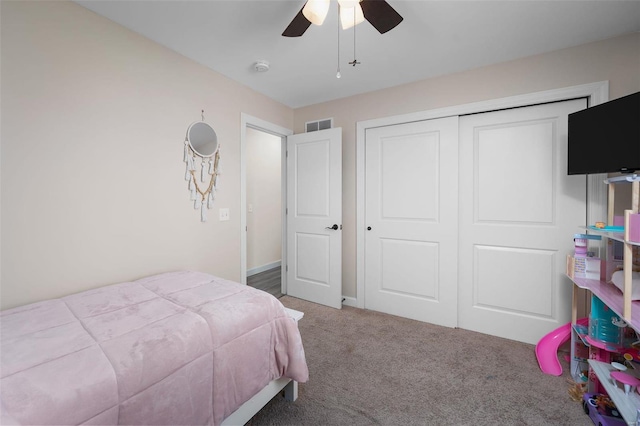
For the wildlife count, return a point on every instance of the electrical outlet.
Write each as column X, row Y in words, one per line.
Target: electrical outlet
column 224, row 214
column 250, row 208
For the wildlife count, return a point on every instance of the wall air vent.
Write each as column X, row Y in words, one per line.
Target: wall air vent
column 312, row 126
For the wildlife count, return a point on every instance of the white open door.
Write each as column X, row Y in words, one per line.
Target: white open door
column 314, row 217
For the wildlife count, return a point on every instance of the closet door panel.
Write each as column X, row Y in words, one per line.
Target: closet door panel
column 411, row 217
column 518, row 211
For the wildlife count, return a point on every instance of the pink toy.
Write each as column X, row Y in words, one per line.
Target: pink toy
column 547, row 348
column 627, row 380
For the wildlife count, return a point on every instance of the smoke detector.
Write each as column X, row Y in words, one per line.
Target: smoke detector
column 261, row 66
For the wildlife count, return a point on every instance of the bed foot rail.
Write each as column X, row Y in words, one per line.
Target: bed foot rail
column 247, row 410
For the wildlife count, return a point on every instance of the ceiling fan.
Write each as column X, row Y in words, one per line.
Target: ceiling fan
column 378, row 12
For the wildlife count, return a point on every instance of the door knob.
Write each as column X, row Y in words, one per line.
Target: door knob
column 334, row 227
column 368, row 228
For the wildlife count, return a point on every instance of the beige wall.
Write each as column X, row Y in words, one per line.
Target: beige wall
column 264, row 195
column 616, row 60
column 93, row 119
column 93, row 122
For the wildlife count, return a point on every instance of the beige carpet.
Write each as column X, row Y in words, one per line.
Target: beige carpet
column 371, row 368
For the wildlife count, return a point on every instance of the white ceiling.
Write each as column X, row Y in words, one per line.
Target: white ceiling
column 435, row 38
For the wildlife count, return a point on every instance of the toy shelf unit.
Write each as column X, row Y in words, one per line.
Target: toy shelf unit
column 620, row 248
column 626, row 234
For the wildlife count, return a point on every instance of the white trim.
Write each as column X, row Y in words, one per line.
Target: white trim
column 296, row 315
column 249, row 409
column 349, row 301
column 596, row 93
column 266, row 267
column 246, row 121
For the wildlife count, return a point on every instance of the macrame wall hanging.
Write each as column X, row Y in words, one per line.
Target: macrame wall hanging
column 201, row 143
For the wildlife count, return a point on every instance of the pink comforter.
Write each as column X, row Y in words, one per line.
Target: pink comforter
column 176, row 348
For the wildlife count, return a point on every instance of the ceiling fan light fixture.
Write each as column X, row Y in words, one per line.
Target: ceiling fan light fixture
column 379, row 13
column 347, row 16
column 346, row 4
column 316, row 11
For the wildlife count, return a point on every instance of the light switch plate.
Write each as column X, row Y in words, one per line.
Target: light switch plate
column 224, row 214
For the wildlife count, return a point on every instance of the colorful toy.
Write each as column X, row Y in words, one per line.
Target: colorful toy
column 628, row 381
column 601, row 410
column 547, row 348
column 607, row 228
column 603, row 323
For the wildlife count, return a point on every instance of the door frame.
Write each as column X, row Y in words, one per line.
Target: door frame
column 248, row 121
column 596, row 93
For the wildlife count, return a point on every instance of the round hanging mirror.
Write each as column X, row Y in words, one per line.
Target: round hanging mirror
column 202, row 139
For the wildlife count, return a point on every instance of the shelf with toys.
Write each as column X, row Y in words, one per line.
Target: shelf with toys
column 628, row 234
column 621, row 237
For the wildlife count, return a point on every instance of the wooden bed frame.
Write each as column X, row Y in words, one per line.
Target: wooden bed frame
column 249, row 409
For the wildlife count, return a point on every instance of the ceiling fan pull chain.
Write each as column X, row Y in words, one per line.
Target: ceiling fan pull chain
column 338, row 75
column 355, row 61
column 354, row 40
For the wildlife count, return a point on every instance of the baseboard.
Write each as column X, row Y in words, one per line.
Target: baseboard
column 263, row 268
column 350, row 301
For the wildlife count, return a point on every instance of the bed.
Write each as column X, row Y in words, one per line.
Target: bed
column 176, row 348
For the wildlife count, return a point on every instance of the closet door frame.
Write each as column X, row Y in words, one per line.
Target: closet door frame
column 596, row 93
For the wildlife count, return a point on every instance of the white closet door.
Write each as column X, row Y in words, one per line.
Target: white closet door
column 518, row 213
column 411, row 213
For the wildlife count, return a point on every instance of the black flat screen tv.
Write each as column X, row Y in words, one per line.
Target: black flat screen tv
column 605, row 138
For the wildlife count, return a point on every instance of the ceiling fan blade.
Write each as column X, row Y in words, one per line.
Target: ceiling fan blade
column 298, row 26
column 380, row 14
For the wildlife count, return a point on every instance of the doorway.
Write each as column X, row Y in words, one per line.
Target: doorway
column 253, row 131
column 311, row 183
column 264, row 211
